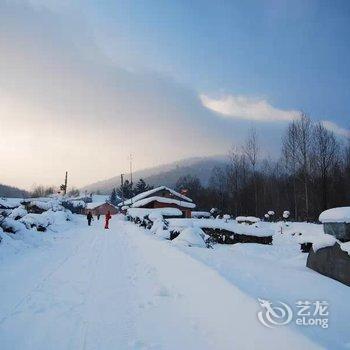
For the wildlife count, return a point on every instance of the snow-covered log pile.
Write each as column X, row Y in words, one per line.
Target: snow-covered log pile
column 226, row 231
column 250, row 220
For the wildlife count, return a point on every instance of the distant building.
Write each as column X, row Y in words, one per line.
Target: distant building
column 100, row 208
column 161, row 197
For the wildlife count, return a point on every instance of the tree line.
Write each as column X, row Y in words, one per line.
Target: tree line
column 312, row 174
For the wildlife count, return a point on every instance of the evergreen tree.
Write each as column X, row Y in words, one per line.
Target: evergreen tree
column 141, row 186
column 113, row 197
column 125, row 190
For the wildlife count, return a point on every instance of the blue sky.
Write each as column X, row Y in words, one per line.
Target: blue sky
column 164, row 80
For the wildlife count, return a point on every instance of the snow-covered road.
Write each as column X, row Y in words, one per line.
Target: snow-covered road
column 124, row 289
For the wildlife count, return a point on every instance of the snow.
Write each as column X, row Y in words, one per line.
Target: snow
column 341, row 214
column 154, row 190
column 345, row 247
column 166, row 200
column 191, row 237
column 126, row 289
column 142, row 212
column 320, row 241
column 80, row 287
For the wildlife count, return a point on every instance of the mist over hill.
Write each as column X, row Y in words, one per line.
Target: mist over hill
column 166, row 174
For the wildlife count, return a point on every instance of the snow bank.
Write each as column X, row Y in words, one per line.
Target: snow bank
column 192, row 237
column 341, row 215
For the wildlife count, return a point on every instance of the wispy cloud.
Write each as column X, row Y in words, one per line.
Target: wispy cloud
column 243, row 107
column 336, row 128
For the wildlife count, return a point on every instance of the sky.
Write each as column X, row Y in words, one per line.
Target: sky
column 83, row 84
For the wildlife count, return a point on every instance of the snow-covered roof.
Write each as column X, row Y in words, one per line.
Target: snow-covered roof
column 166, row 200
column 154, row 190
column 341, row 214
column 94, row 205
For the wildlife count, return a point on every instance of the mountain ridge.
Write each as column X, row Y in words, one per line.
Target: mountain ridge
column 166, row 174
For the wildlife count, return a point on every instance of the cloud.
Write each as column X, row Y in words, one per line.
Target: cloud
column 243, row 107
column 331, row 126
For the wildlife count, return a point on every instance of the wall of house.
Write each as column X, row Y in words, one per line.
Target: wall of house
column 103, row 209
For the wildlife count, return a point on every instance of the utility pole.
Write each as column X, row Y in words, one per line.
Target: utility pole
column 65, row 183
column 63, row 187
column 130, row 159
column 122, row 186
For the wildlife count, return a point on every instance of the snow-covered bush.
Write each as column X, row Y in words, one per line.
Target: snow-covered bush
column 191, row 237
column 12, row 226
column 18, row 213
column 226, row 217
column 286, row 214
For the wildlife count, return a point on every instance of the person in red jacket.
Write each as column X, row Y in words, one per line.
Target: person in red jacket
column 107, row 218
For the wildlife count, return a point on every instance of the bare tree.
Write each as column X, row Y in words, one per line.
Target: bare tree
column 251, row 149
column 289, row 152
column 325, row 155
column 304, row 133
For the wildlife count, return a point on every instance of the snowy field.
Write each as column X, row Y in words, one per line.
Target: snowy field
column 86, row 288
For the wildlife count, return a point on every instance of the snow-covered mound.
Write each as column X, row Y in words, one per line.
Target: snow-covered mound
column 341, row 214
column 192, row 237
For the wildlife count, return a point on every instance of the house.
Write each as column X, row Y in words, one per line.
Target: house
column 100, row 208
column 331, row 256
column 336, row 222
column 161, row 197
